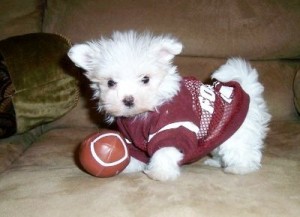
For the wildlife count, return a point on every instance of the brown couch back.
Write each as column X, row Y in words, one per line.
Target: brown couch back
column 264, row 31
column 20, row 17
column 253, row 29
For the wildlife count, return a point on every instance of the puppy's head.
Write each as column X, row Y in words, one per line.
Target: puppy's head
column 131, row 73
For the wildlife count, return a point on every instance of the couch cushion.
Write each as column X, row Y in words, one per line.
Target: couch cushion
column 43, row 89
column 12, row 148
column 47, row 181
column 255, row 30
column 20, row 17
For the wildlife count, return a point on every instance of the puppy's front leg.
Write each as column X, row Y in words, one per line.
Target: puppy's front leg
column 164, row 164
column 134, row 166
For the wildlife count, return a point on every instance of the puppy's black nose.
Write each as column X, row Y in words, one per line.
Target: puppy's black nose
column 128, row 101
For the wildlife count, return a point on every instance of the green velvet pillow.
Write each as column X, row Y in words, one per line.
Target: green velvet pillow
column 43, row 87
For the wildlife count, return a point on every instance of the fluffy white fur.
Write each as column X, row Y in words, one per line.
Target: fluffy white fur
column 127, row 59
column 133, row 74
column 242, row 152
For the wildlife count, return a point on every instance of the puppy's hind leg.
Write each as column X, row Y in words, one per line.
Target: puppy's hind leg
column 242, row 152
column 215, row 160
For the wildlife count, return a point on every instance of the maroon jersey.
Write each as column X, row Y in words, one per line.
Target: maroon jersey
column 197, row 120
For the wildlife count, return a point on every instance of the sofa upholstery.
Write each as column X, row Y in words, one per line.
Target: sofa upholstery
column 39, row 170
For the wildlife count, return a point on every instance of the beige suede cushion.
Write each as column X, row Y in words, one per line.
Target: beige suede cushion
column 47, row 182
column 252, row 29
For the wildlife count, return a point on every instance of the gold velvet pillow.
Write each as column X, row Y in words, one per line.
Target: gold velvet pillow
column 38, row 68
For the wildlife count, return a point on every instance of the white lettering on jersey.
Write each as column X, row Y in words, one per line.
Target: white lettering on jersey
column 207, row 98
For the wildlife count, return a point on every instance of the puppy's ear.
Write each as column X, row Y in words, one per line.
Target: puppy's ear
column 82, row 55
column 169, row 48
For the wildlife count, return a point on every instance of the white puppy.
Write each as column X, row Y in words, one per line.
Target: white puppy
column 168, row 120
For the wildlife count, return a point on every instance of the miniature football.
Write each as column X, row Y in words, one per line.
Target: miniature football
column 104, row 154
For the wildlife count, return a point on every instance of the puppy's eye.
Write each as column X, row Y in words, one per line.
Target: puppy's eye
column 145, row 79
column 111, row 83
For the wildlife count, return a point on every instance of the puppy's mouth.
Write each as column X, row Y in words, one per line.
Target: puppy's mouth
column 129, row 111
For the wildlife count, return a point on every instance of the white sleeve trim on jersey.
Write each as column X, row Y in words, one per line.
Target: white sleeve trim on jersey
column 186, row 124
column 226, row 93
column 127, row 141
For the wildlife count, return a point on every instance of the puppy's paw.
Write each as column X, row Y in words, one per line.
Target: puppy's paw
column 134, row 166
column 162, row 174
column 163, row 165
column 241, row 170
column 213, row 162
